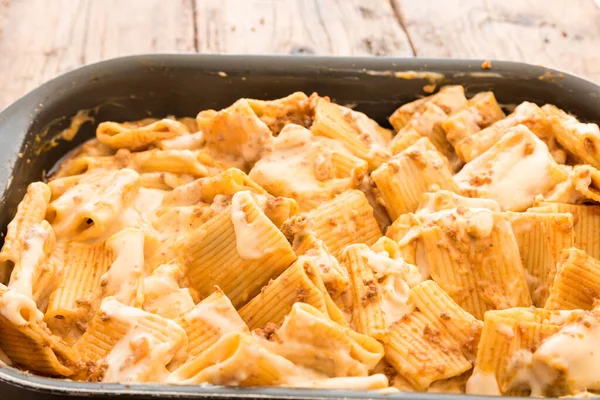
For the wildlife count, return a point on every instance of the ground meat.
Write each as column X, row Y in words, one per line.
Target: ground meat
column 370, row 293
column 93, row 371
column 417, row 157
column 479, row 180
column 390, row 373
column 267, row 331
column 431, row 335
column 445, row 316
column 300, row 295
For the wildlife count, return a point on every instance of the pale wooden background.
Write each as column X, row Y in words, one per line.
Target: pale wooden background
column 42, row 38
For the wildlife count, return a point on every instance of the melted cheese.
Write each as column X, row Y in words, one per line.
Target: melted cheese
column 395, row 278
column 192, row 141
column 446, row 200
column 124, row 277
column 483, row 383
column 572, row 352
column 477, row 222
column 32, row 257
column 140, row 213
column 213, row 313
column 162, row 293
column 249, row 245
column 139, row 356
column 308, row 159
column 512, row 172
column 582, row 186
column 17, row 308
column 89, row 208
column 369, row 132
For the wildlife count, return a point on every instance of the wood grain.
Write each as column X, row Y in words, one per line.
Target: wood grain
column 40, row 39
column 118, row 27
column 334, row 27
column 564, row 34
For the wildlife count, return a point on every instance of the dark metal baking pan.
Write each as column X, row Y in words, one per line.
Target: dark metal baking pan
column 135, row 87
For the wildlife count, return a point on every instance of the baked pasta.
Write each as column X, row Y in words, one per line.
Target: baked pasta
column 296, row 242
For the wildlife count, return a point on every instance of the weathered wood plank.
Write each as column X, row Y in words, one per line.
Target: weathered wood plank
column 46, row 40
column 119, row 28
column 40, row 39
column 564, row 34
column 335, row 27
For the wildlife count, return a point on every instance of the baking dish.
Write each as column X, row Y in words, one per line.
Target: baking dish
column 136, row 87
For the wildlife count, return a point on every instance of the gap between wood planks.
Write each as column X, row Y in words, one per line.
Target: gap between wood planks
column 401, row 20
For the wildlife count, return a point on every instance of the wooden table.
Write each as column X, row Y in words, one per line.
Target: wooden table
column 42, row 38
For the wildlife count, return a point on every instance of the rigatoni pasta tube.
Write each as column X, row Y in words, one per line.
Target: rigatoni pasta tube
column 541, row 238
column 78, row 293
column 506, row 335
column 238, row 249
column 228, row 182
column 346, row 219
column 402, row 179
column 88, row 209
column 449, row 98
column 399, row 232
column 582, row 186
column 26, row 339
column 482, row 111
column 422, row 353
column 367, row 314
column 278, row 113
column 132, row 344
column 439, row 308
column 527, row 114
column 474, row 256
column 174, row 161
column 322, row 168
column 236, row 131
column 334, row 276
column 235, row 359
column 327, row 347
column 586, row 223
column 497, row 173
column 208, row 321
column 427, row 124
column 138, row 137
column 580, row 139
column 362, row 136
column 222, row 186
column 33, row 274
column 276, row 299
column 403, row 140
column 30, row 212
column 577, row 282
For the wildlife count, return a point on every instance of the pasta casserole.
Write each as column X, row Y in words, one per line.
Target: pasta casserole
column 296, row 242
